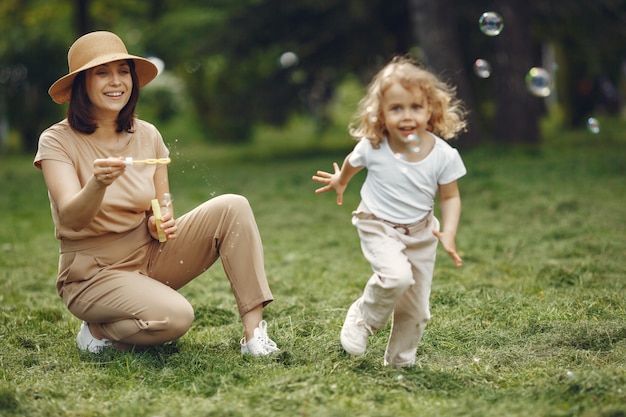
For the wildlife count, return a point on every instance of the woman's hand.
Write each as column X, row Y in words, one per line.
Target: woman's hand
column 168, row 224
column 105, row 171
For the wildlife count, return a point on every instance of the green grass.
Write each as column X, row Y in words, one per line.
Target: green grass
column 534, row 323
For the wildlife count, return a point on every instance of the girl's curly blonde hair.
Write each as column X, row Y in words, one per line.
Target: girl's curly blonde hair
column 447, row 112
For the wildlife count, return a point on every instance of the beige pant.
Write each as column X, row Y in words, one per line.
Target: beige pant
column 403, row 260
column 126, row 284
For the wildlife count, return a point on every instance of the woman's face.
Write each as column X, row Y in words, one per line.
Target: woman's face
column 405, row 112
column 109, row 87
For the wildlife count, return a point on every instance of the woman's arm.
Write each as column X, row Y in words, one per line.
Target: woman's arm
column 78, row 206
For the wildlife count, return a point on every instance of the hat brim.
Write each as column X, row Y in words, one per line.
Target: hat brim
column 61, row 90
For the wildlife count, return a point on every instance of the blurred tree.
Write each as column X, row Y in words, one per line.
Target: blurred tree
column 33, row 54
column 437, row 31
column 33, row 41
column 589, row 38
column 81, row 16
column 233, row 64
column 451, row 45
column 517, row 111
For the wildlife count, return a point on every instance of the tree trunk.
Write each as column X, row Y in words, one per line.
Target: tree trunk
column 83, row 25
column 434, row 26
column 517, row 110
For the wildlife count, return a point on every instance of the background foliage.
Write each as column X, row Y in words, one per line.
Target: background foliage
column 222, row 58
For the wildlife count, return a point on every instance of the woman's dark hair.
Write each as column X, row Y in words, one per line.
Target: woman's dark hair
column 79, row 112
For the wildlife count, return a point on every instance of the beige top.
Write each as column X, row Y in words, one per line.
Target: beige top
column 127, row 199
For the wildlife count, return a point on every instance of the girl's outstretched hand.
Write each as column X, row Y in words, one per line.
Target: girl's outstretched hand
column 331, row 181
column 447, row 241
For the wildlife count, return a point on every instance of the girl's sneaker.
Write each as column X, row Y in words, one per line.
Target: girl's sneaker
column 355, row 331
column 260, row 344
column 87, row 342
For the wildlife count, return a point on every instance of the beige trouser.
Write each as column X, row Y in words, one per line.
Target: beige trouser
column 126, row 284
column 403, row 260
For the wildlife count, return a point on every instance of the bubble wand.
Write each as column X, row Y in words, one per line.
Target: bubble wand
column 150, row 161
column 158, row 211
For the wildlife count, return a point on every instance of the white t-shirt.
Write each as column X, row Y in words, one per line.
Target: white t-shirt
column 400, row 191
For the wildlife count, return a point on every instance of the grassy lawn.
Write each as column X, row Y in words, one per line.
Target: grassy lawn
column 534, row 323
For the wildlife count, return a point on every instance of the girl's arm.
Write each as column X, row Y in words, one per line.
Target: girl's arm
column 78, row 206
column 337, row 181
column 450, row 200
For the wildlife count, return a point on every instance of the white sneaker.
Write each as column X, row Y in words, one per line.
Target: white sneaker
column 260, row 344
column 87, row 342
column 355, row 331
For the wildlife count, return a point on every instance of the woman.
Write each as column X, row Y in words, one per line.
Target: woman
column 114, row 273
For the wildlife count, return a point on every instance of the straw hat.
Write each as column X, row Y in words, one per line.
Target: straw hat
column 91, row 50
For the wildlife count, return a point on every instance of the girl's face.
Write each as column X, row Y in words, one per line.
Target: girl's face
column 109, row 87
column 405, row 112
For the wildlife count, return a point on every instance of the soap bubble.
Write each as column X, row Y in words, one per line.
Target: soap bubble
column 372, row 115
column 158, row 62
column 482, row 68
column 413, row 143
column 593, row 126
column 538, row 82
column 288, row 59
column 491, row 23
column 192, row 65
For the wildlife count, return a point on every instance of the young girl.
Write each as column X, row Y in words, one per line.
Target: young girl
column 399, row 126
column 115, row 272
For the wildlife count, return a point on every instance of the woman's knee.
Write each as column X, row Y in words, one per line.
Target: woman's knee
column 234, row 202
column 175, row 319
column 229, row 207
column 181, row 318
